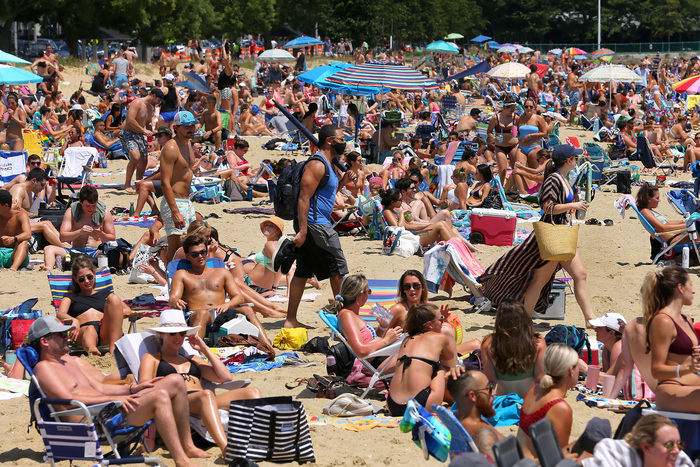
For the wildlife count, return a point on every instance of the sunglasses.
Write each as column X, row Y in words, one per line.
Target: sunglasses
column 670, row 445
column 489, row 388
column 440, row 318
column 369, row 291
column 412, row 285
column 89, row 277
column 35, row 163
column 528, row 107
column 181, row 333
column 197, row 254
column 64, row 334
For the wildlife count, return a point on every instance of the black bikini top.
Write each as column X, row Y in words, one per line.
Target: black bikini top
column 165, row 369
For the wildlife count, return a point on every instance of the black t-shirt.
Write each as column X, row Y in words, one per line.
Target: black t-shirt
column 225, row 81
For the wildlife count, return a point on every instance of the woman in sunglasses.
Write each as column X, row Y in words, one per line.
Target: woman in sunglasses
column 531, row 130
column 96, row 314
column 422, row 360
column 172, row 333
column 503, row 134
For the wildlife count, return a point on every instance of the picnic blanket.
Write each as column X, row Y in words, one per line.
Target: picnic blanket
column 602, row 403
column 145, row 222
column 356, row 423
column 257, row 362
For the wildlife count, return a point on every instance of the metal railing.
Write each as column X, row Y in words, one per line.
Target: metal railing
column 628, row 47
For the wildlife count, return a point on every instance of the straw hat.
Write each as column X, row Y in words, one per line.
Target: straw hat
column 173, row 321
column 276, row 221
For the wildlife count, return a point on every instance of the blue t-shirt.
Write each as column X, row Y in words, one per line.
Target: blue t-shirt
column 321, row 204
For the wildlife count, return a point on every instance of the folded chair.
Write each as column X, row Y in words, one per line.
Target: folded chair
column 208, row 189
column 13, row 163
column 131, row 348
column 59, row 284
column 547, row 446
column 78, row 441
column 461, row 441
column 75, row 169
column 378, row 374
column 675, row 240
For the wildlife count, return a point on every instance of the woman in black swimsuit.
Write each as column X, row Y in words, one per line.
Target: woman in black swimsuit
column 172, row 333
column 503, row 134
column 419, row 373
column 671, row 338
column 96, row 314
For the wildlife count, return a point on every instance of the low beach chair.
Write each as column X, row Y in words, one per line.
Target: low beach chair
column 14, row 163
column 59, row 437
column 461, row 441
column 522, row 210
column 427, row 431
column 547, row 446
column 378, row 374
column 648, row 159
column 507, row 452
column 75, row 169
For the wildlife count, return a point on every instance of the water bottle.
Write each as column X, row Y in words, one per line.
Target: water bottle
column 131, row 209
column 686, row 257
column 580, row 213
column 383, row 315
column 330, row 361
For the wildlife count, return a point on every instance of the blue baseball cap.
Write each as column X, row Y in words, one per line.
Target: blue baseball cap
column 255, row 109
column 184, row 118
column 564, row 152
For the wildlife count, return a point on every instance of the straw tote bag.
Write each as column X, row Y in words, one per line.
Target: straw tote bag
column 557, row 242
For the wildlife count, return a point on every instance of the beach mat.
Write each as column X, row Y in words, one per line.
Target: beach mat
column 356, row 423
column 383, row 292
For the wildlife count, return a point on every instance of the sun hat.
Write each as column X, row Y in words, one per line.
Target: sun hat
column 612, row 321
column 279, row 223
column 46, row 325
column 173, row 321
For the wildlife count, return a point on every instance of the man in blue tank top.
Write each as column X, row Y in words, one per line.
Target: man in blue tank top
column 318, row 246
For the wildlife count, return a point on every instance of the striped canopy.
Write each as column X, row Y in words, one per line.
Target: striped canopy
column 386, row 76
column 603, row 52
column 689, row 85
column 576, row 51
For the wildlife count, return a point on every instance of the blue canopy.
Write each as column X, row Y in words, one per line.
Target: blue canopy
column 481, row 67
column 481, row 38
column 302, row 41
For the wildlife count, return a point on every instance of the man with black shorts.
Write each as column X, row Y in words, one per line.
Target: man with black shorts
column 134, row 131
column 318, row 246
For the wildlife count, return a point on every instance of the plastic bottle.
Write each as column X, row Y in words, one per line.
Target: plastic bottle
column 383, row 315
column 686, row 257
column 580, row 213
column 131, row 209
column 330, row 360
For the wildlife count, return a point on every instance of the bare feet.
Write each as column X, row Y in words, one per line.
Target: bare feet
column 93, row 351
column 313, row 281
column 295, row 324
column 276, row 313
column 197, row 453
column 129, row 190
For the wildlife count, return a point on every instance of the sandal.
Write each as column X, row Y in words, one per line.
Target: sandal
column 592, row 221
column 608, row 222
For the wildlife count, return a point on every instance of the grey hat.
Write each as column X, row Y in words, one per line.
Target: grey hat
column 596, row 430
column 46, row 325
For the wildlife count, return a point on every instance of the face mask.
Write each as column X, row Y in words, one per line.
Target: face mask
column 339, row 148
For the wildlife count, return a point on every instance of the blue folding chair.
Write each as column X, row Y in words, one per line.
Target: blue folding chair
column 461, row 440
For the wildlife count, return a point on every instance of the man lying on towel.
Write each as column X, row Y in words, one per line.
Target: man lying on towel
column 203, row 290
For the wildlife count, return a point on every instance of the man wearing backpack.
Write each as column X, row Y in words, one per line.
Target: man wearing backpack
column 318, row 247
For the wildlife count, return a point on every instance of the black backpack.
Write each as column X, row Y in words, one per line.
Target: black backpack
column 574, row 337
column 344, row 360
column 288, row 186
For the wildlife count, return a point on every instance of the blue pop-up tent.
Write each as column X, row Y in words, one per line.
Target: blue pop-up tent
column 481, row 38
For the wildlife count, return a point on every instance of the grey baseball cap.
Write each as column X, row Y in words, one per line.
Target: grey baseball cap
column 46, row 325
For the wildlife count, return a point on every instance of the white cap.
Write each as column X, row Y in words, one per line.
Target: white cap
column 612, row 321
column 169, row 77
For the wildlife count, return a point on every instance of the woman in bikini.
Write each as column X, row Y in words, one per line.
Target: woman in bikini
column 260, row 274
column 678, row 134
column 671, row 338
column 546, row 399
column 531, row 129
column 96, row 315
column 456, row 196
column 422, row 360
column 503, row 134
column 171, row 334
column 648, row 198
column 16, row 120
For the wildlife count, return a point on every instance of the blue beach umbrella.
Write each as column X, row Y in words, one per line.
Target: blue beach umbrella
column 481, row 38
column 13, row 75
column 302, row 41
column 9, row 58
column 442, row 47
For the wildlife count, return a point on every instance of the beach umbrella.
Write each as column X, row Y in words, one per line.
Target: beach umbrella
column 453, row 36
column 9, row 58
column 492, row 45
column 580, row 57
column 556, row 52
column 603, row 52
column 275, row 55
column 575, row 51
column 608, row 73
column 302, row 41
column 510, row 70
column 442, row 47
column 13, row 75
column 689, row 85
column 386, row 76
column 317, row 76
column 507, row 49
column 194, row 82
column 525, row 50
column 481, row 38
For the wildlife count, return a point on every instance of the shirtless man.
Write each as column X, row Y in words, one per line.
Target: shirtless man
column 87, row 224
column 574, row 92
column 473, row 394
column 533, row 84
column 203, row 290
column 73, row 140
column 634, row 355
column 212, row 121
column 24, row 197
column 176, row 162
column 33, row 162
column 163, row 399
column 102, row 139
column 134, row 129
column 14, row 233
column 467, row 123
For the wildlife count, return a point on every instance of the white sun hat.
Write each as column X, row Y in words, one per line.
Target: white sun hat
column 173, row 321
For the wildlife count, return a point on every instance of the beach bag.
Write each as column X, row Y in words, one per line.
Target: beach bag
column 492, row 201
column 22, row 312
column 269, row 429
column 290, row 339
column 390, row 239
column 399, row 241
column 623, row 181
column 556, row 242
column 340, row 360
column 350, row 405
column 427, row 431
column 636, row 389
column 630, row 419
column 234, row 191
column 286, row 195
column 574, row 337
column 234, row 340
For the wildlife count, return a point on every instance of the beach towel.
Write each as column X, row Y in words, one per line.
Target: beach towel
column 383, row 292
column 356, row 423
column 144, row 222
column 621, row 203
column 602, row 403
column 444, row 177
column 258, row 363
column 448, row 263
column 17, row 386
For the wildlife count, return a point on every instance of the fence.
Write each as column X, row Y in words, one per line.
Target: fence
column 629, row 47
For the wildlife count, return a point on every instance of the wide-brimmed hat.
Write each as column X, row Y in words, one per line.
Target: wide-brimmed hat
column 279, row 223
column 172, row 321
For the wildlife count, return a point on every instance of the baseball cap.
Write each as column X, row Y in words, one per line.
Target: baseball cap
column 158, row 93
column 5, row 197
column 184, row 118
column 77, row 107
column 169, row 77
column 622, row 121
column 46, row 325
column 255, row 109
column 565, row 151
column 609, row 320
column 596, row 430
column 164, row 130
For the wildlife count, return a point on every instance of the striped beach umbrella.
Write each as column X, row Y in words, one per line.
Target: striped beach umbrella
column 576, row 51
column 556, row 52
column 603, row 52
column 689, row 85
column 385, row 76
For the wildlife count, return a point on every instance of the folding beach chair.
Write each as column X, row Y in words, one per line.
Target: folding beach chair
column 648, row 160
column 75, row 169
column 507, row 451
column 425, row 133
column 378, row 374
column 547, row 446
column 12, row 163
column 82, row 440
column 691, row 231
column 684, row 202
column 522, row 210
column 130, row 349
column 461, row 441
column 586, row 123
column 450, row 108
column 208, row 189
column 349, row 222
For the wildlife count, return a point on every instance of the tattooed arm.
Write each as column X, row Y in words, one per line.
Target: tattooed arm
column 485, row 437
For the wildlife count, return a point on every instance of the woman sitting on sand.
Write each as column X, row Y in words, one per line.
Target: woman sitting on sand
column 671, row 338
column 546, row 399
column 261, row 277
column 250, row 125
column 648, row 198
column 96, row 315
column 513, row 355
column 171, row 334
column 421, row 362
